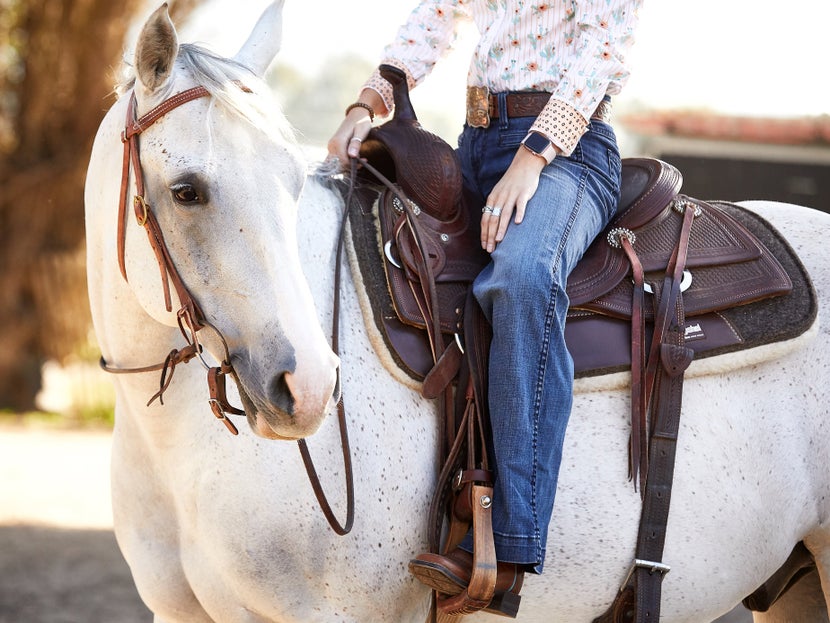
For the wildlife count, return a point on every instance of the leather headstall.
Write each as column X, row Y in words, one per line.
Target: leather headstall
column 190, row 317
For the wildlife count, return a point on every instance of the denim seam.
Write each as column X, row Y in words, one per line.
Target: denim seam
column 550, row 312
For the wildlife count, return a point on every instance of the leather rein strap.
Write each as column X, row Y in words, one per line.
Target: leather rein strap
column 190, row 317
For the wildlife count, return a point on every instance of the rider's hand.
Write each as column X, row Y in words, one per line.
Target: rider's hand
column 511, row 194
column 345, row 143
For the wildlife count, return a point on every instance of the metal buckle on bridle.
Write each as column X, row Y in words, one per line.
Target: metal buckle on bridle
column 142, row 220
column 219, row 412
column 218, row 400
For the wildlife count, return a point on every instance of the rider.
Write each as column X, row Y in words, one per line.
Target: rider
column 538, row 153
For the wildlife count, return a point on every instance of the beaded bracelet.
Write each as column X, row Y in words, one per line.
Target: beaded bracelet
column 362, row 105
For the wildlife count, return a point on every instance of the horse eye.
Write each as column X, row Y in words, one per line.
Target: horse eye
column 185, row 194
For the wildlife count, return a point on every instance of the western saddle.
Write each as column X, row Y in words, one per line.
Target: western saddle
column 664, row 258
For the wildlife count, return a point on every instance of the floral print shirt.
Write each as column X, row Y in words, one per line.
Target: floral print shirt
column 573, row 49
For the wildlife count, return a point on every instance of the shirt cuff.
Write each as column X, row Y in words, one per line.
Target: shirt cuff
column 562, row 124
column 379, row 84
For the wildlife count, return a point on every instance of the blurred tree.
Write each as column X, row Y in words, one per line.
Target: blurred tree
column 314, row 105
column 56, row 64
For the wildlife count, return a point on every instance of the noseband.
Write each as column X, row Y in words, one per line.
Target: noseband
column 190, row 317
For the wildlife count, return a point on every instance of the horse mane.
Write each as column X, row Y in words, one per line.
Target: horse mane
column 228, row 82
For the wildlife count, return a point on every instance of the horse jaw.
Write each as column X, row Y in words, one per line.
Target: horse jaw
column 156, row 51
column 264, row 41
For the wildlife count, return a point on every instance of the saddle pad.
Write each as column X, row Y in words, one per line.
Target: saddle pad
column 600, row 344
column 403, row 348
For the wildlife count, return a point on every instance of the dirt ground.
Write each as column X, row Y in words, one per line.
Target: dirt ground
column 59, row 562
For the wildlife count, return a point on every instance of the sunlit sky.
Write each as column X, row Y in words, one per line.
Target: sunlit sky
column 732, row 56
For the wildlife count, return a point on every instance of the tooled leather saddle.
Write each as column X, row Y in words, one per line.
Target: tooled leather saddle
column 656, row 289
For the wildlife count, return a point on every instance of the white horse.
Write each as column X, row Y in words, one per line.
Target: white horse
column 222, row 528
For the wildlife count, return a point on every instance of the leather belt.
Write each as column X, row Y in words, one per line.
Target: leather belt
column 482, row 106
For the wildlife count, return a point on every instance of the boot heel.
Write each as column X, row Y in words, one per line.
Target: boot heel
column 505, row 604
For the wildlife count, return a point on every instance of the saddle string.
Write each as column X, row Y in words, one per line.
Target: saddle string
column 190, row 314
column 638, row 446
column 644, row 367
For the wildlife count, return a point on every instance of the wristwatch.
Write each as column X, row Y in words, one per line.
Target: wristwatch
column 540, row 145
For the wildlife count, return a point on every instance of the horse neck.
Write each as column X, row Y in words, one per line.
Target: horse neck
column 318, row 228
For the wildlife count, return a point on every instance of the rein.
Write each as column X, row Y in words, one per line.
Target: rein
column 190, row 317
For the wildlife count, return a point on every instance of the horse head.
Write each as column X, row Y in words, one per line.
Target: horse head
column 222, row 176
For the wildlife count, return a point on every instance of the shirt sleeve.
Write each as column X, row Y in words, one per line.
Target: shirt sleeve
column 600, row 33
column 426, row 37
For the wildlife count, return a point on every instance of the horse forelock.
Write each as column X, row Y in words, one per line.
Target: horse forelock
column 229, row 83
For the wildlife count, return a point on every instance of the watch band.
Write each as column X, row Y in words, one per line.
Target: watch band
column 540, row 145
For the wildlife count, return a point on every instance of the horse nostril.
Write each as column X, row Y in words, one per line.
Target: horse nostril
column 280, row 394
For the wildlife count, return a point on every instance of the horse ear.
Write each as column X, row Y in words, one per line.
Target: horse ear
column 158, row 46
column 264, row 41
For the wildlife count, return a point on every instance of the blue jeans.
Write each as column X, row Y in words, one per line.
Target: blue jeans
column 522, row 293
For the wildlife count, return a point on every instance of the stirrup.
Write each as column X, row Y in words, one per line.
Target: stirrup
column 480, row 593
column 503, row 604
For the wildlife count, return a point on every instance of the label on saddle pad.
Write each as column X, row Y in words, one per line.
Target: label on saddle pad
column 694, row 331
column 602, row 345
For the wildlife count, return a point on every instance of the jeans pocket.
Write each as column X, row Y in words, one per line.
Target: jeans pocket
column 511, row 138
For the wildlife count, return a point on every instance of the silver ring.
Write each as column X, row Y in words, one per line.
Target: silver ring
column 496, row 212
column 487, row 210
column 359, row 140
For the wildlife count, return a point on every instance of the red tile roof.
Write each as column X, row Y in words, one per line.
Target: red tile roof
column 706, row 125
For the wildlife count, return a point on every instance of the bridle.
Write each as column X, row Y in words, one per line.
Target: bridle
column 190, row 317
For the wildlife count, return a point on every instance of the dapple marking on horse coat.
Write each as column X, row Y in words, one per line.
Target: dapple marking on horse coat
column 226, row 529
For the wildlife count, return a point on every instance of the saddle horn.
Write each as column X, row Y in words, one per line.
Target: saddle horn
column 400, row 92
column 424, row 165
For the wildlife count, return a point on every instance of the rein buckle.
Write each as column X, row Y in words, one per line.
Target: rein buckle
column 219, row 412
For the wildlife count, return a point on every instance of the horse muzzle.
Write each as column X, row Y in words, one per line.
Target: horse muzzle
column 292, row 404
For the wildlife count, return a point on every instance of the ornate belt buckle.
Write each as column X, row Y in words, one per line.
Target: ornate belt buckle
column 478, row 107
